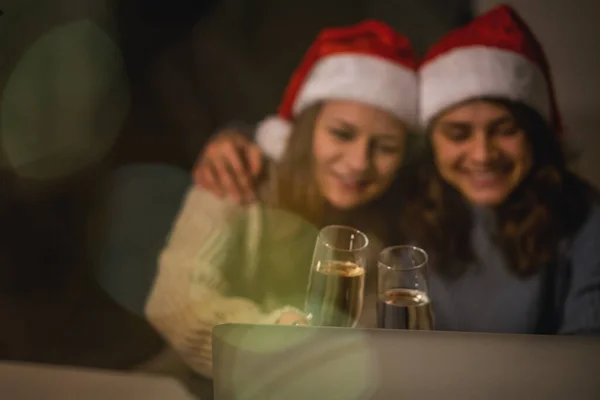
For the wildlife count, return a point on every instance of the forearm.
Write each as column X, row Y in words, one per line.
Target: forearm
column 188, row 327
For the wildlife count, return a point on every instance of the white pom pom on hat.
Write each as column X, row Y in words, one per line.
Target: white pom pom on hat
column 272, row 135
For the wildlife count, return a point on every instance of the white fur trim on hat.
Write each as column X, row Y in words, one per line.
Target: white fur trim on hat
column 380, row 83
column 479, row 71
column 272, row 135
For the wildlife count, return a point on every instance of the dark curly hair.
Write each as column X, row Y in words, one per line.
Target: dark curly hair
column 550, row 204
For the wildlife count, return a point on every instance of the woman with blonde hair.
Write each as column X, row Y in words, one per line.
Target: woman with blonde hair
column 342, row 127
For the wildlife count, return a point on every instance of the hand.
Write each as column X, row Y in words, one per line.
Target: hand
column 230, row 165
column 292, row 318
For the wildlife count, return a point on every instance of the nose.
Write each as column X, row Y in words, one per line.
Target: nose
column 358, row 155
column 481, row 148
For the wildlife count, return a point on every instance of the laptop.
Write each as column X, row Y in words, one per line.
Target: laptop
column 24, row 381
column 286, row 362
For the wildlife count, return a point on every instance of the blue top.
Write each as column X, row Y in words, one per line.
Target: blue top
column 489, row 298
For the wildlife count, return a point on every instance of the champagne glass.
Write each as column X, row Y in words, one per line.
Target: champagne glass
column 402, row 295
column 337, row 277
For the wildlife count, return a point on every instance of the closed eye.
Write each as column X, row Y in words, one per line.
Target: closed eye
column 388, row 148
column 456, row 131
column 506, row 130
column 504, row 126
column 457, row 134
column 342, row 134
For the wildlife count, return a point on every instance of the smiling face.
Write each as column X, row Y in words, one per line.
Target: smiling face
column 480, row 149
column 357, row 151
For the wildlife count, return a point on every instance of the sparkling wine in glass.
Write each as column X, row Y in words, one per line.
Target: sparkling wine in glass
column 337, row 277
column 402, row 295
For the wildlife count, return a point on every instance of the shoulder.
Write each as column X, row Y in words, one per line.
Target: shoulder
column 200, row 201
column 581, row 209
column 589, row 230
column 204, row 214
column 207, row 224
column 582, row 243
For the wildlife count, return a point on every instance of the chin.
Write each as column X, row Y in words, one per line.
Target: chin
column 343, row 203
column 487, row 200
column 344, row 206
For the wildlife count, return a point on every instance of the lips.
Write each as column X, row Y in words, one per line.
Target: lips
column 350, row 183
column 485, row 179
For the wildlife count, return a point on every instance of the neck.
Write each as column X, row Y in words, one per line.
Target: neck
column 369, row 219
column 484, row 215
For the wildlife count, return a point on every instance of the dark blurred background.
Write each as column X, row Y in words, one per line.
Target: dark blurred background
column 90, row 85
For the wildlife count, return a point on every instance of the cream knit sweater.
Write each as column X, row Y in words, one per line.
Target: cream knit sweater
column 209, row 271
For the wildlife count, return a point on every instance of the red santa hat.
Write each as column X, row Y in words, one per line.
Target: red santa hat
column 368, row 62
column 496, row 55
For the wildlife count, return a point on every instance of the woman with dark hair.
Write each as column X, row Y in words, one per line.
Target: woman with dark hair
column 513, row 235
